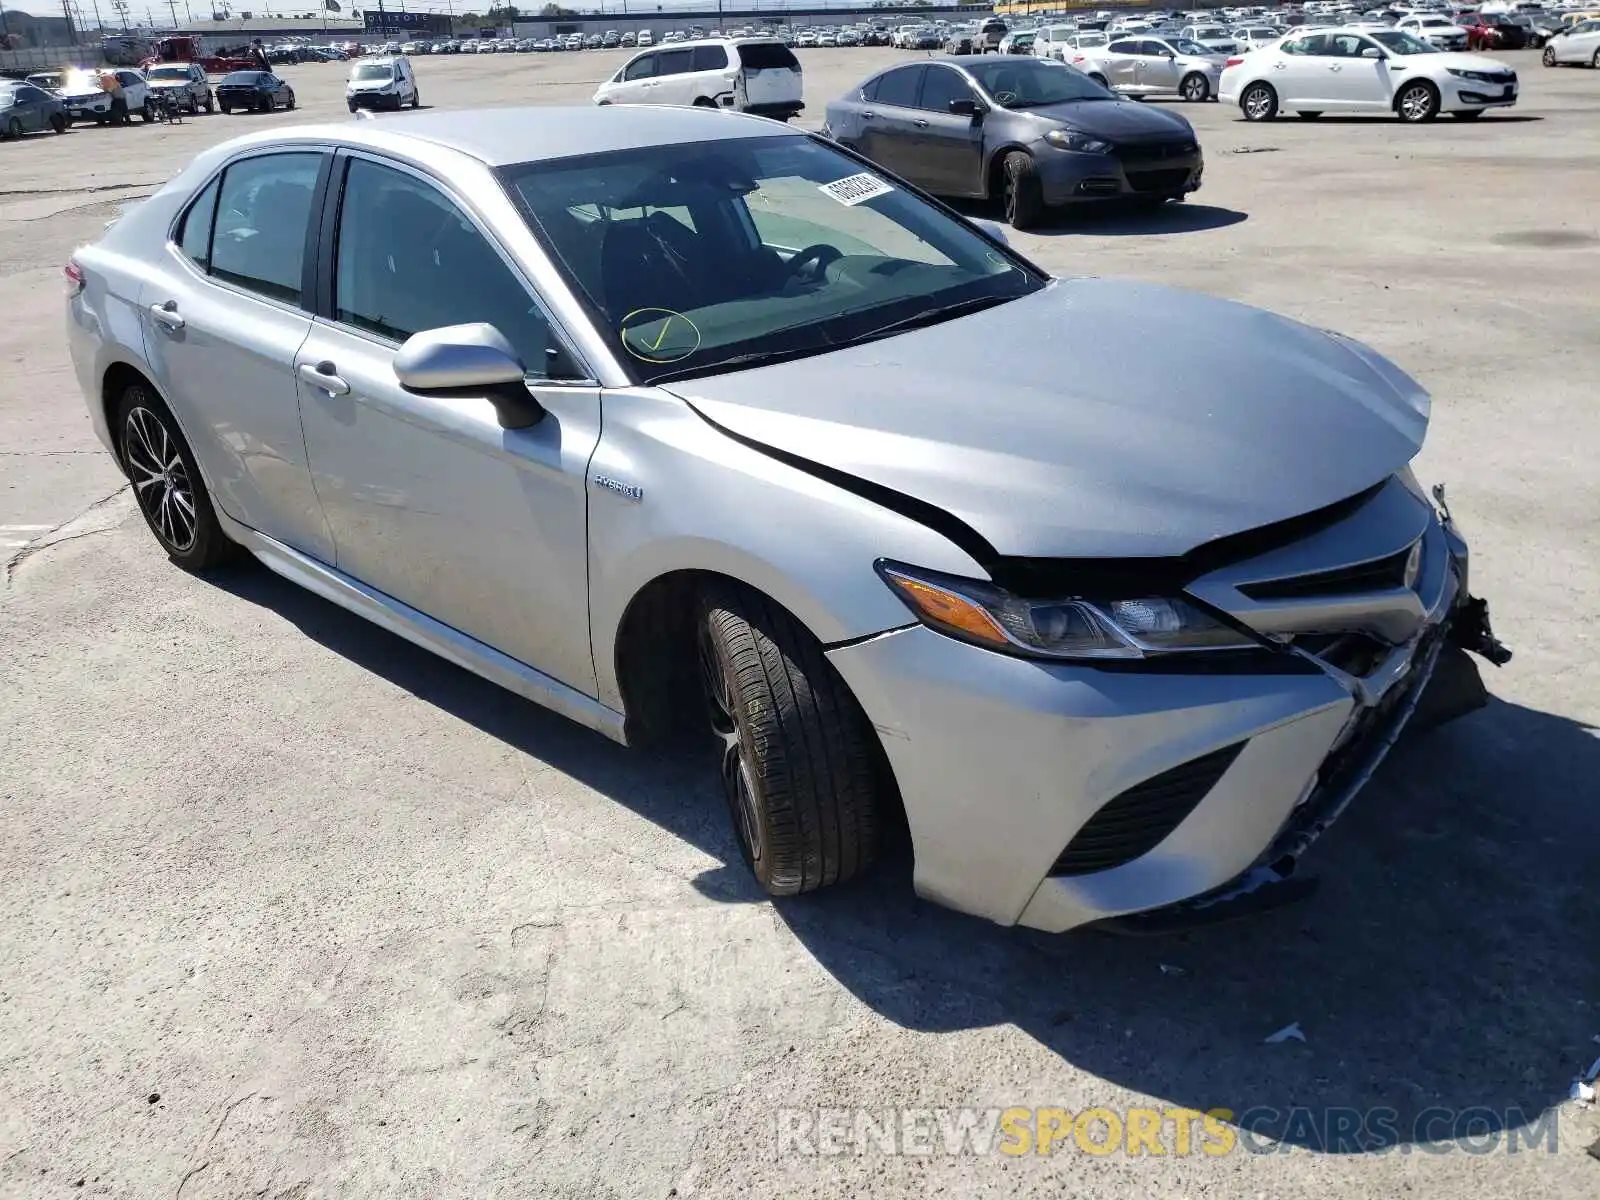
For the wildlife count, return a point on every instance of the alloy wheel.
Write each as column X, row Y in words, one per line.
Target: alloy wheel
column 735, row 761
column 1416, row 104
column 160, row 480
column 1194, row 88
column 1258, row 104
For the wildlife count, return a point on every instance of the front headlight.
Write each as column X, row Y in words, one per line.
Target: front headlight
column 1069, row 629
column 1073, row 139
column 1476, row 76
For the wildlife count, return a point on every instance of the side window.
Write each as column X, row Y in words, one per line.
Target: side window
column 709, row 58
column 900, row 87
column 28, row 95
column 643, row 67
column 128, row 78
column 1124, row 47
column 1318, row 45
column 869, row 90
column 1345, row 45
column 674, row 62
column 940, row 85
column 409, row 260
column 262, row 213
column 194, row 239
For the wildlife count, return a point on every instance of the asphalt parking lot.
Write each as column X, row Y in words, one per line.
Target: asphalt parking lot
column 291, row 908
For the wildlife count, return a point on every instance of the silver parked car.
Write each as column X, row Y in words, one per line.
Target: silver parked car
column 650, row 413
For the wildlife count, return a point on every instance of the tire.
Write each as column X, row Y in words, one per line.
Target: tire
column 226, row 109
column 1259, row 102
column 799, row 760
column 1194, row 88
column 416, row 99
column 289, row 103
column 166, row 482
column 1471, row 115
column 1548, row 58
column 264, row 104
column 147, row 114
column 1417, row 102
column 1308, row 116
column 351, row 106
column 58, row 123
column 13, row 129
column 1594, row 61
column 210, row 102
column 1022, row 194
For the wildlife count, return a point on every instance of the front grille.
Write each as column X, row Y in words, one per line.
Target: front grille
column 1158, row 181
column 1154, row 152
column 1135, row 821
column 1381, row 574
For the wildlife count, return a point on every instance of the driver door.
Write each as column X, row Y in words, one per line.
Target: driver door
column 1158, row 67
column 428, row 499
column 948, row 145
column 1357, row 84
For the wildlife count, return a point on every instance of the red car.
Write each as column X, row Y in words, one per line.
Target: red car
column 1492, row 33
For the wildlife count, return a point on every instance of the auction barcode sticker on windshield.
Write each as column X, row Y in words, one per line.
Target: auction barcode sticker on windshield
column 856, row 189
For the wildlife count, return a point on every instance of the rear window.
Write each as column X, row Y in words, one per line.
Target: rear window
column 766, row 56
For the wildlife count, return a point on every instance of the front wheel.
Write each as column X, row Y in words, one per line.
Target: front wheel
column 210, row 102
column 167, row 484
column 147, row 114
column 289, row 103
column 1259, row 102
column 1194, row 87
column 799, row 761
column 1417, row 102
column 227, row 108
column 58, row 123
column 416, row 99
column 1023, row 197
column 1548, row 58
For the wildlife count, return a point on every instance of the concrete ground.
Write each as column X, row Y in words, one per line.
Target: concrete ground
column 290, row 908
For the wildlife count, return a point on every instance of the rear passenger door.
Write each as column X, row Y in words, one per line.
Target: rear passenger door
column 428, row 498
column 889, row 137
column 1119, row 64
column 708, row 75
column 674, row 82
column 226, row 308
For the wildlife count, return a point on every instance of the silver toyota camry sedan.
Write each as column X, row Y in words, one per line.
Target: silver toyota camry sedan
column 685, row 422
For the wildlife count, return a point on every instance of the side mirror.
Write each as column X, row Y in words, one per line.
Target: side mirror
column 1372, row 52
column 468, row 360
column 994, row 229
column 964, row 106
column 1168, row 54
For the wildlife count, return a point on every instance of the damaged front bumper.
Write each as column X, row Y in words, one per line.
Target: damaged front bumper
column 1029, row 784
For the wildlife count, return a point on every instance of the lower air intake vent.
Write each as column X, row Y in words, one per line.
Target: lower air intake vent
column 1135, row 822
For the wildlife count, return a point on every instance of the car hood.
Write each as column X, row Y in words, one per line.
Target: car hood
column 1465, row 62
column 1094, row 418
column 1109, row 118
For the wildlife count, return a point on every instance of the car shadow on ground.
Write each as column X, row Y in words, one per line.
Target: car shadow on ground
column 1443, row 119
column 1444, row 975
column 1118, row 219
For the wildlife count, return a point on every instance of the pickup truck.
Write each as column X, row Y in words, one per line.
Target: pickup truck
column 990, row 34
column 183, row 83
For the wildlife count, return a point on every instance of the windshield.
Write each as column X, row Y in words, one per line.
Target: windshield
column 1211, row 31
column 1433, row 23
column 1185, row 46
column 163, row 74
column 372, row 71
column 716, row 255
column 1401, row 42
column 1092, row 39
column 1028, row 84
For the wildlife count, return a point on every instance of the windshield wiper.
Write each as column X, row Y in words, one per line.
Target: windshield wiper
column 930, row 316
column 762, row 358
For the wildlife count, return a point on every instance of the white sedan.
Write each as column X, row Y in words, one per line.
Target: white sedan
column 1579, row 45
column 1351, row 70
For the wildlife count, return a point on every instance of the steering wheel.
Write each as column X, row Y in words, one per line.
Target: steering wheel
column 814, row 261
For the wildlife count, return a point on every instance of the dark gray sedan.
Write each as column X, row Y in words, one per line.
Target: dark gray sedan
column 1035, row 134
column 25, row 108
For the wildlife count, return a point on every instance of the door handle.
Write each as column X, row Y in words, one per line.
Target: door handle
column 323, row 377
column 1335, row 67
column 166, row 314
column 866, row 116
column 920, row 123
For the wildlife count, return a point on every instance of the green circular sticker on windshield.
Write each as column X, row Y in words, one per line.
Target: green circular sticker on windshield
column 658, row 335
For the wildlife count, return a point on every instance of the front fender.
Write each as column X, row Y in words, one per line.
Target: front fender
column 669, row 492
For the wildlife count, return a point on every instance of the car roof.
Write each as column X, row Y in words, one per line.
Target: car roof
column 503, row 136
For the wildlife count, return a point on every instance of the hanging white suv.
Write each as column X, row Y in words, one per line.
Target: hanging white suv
column 753, row 75
column 1352, row 70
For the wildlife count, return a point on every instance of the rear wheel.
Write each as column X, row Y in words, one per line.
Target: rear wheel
column 1259, row 102
column 210, row 102
column 799, row 760
column 1023, row 195
column 1194, row 87
column 58, row 123
column 416, row 99
column 1594, row 60
column 1100, row 79
column 13, row 128
column 289, row 103
column 166, row 482
column 227, row 108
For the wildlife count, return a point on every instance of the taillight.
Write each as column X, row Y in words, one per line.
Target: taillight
column 74, row 274
column 1233, row 62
